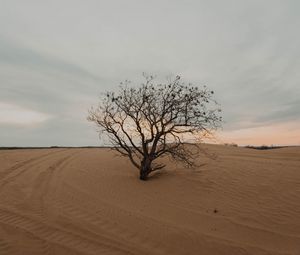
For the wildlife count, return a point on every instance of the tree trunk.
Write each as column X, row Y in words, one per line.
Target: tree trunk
column 145, row 169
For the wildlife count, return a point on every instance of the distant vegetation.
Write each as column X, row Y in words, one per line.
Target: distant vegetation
column 261, row 147
column 264, row 147
column 231, row 144
column 49, row 147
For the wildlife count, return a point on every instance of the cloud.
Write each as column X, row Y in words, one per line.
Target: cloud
column 16, row 55
column 56, row 56
column 14, row 115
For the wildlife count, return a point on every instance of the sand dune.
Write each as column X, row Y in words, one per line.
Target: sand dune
column 87, row 201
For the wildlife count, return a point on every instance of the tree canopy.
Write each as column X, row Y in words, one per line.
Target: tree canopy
column 149, row 121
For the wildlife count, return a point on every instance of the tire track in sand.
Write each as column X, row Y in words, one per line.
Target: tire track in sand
column 37, row 200
column 6, row 248
column 34, row 208
column 12, row 172
column 59, row 236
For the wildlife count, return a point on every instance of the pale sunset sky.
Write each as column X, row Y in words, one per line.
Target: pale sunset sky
column 57, row 56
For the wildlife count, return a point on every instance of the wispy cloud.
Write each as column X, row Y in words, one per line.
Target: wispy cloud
column 14, row 115
column 56, row 62
column 17, row 55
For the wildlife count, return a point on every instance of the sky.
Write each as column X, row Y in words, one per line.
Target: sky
column 57, row 56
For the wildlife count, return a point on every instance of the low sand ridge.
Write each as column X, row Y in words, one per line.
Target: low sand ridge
column 89, row 201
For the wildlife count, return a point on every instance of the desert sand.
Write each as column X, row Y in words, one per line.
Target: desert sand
column 89, row 201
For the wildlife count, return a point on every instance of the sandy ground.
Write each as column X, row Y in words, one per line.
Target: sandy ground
column 87, row 201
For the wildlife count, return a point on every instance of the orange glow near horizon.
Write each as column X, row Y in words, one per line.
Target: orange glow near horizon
column 276, row 134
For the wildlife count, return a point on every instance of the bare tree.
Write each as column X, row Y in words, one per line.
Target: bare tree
column 147, row 122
